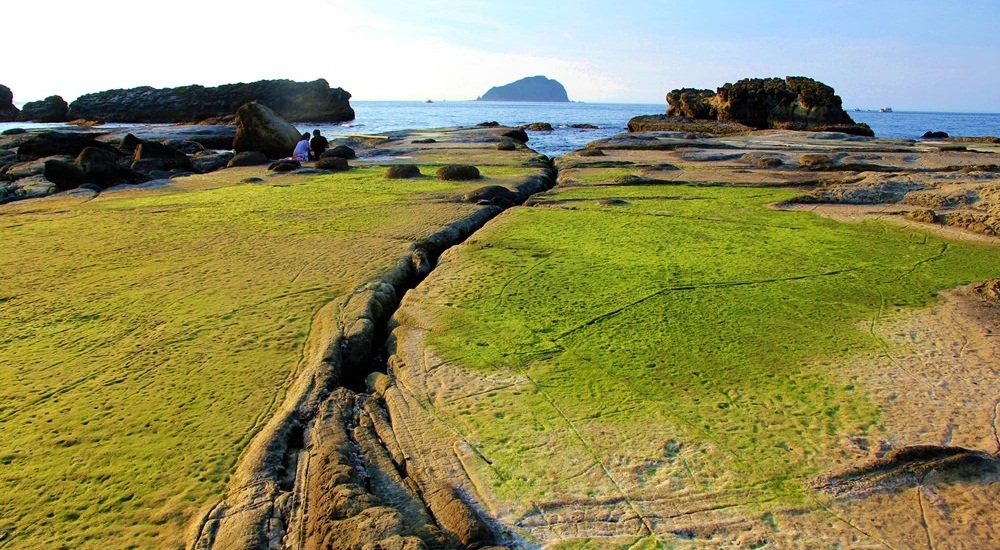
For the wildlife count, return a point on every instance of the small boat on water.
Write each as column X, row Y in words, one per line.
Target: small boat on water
column 885, row 109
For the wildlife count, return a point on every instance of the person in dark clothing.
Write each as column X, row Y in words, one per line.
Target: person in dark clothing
column 317, row 145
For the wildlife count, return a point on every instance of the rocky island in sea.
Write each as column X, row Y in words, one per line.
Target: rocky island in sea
column 532, row 88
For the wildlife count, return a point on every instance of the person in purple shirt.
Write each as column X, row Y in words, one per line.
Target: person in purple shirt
column 301, row 152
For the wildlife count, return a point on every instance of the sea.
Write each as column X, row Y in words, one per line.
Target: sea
column 379, row 117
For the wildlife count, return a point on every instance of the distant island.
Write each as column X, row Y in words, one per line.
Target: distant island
column 532, row 88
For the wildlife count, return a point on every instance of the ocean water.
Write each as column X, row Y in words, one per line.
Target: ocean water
column 378, row 117
column 912, row 125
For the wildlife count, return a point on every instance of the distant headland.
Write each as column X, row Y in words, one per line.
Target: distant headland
column 532, row 88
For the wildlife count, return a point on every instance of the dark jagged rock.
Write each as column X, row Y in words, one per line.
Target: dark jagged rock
column 102, row 166
column 51, row 109
column 259, row 128
column 64, row 174
column 335, row 164
column 492, row 194
column 129, row 143
column 8, row 112
column 150, row 155
column 340, row 151
column 934, row 135
column 295, row 101
column 284, row 165
column 210, row 161
column 516, row 134
column 186, row 146
column 248, row 158
column 532, row 88
column 792, row 103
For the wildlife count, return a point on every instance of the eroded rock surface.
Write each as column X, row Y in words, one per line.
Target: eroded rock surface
column 792, row 103
column 927, row 477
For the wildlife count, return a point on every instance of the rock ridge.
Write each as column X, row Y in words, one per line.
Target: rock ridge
column 294, row 101
column 324, row 471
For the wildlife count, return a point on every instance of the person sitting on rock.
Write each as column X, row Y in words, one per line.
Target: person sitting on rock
column 318, row 144
column 301, row 152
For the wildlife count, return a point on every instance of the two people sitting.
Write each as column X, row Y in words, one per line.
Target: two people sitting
column 310, row 149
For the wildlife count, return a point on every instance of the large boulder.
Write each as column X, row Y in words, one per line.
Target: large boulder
column 51, row 109
column 258, row 128
column 8, row 112
column 105, row 168
column 150, row 155
column 210, row 161
column 792, row 103
column 341, row 151
column 295, row 101
column 64, row 174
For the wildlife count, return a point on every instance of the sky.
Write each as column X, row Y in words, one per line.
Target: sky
column 916, row 55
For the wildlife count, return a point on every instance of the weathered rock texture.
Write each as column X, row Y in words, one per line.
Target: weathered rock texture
column 258, row 128
column 51, row 109
column 8, row 111
column 532, row 88
column 296, row 101
column 795, row 103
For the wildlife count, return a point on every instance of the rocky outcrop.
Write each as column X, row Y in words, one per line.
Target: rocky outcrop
column 792, row 103
column 258, row 128
column 295, row 101
column 51, row 109
column 8, row 112
column 48, row 161
column 532, row 88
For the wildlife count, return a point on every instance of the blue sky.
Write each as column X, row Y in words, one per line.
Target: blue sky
column 910, row 55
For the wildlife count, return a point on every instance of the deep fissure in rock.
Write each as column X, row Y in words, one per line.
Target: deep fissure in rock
column 360, row 363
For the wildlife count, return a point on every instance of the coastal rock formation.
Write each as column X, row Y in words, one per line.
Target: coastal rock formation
column 41, row 162
column 295, row 101
column 532, row 88
column 8, row 111
column 792, row 103
column 258, row 128
column 51, row 109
